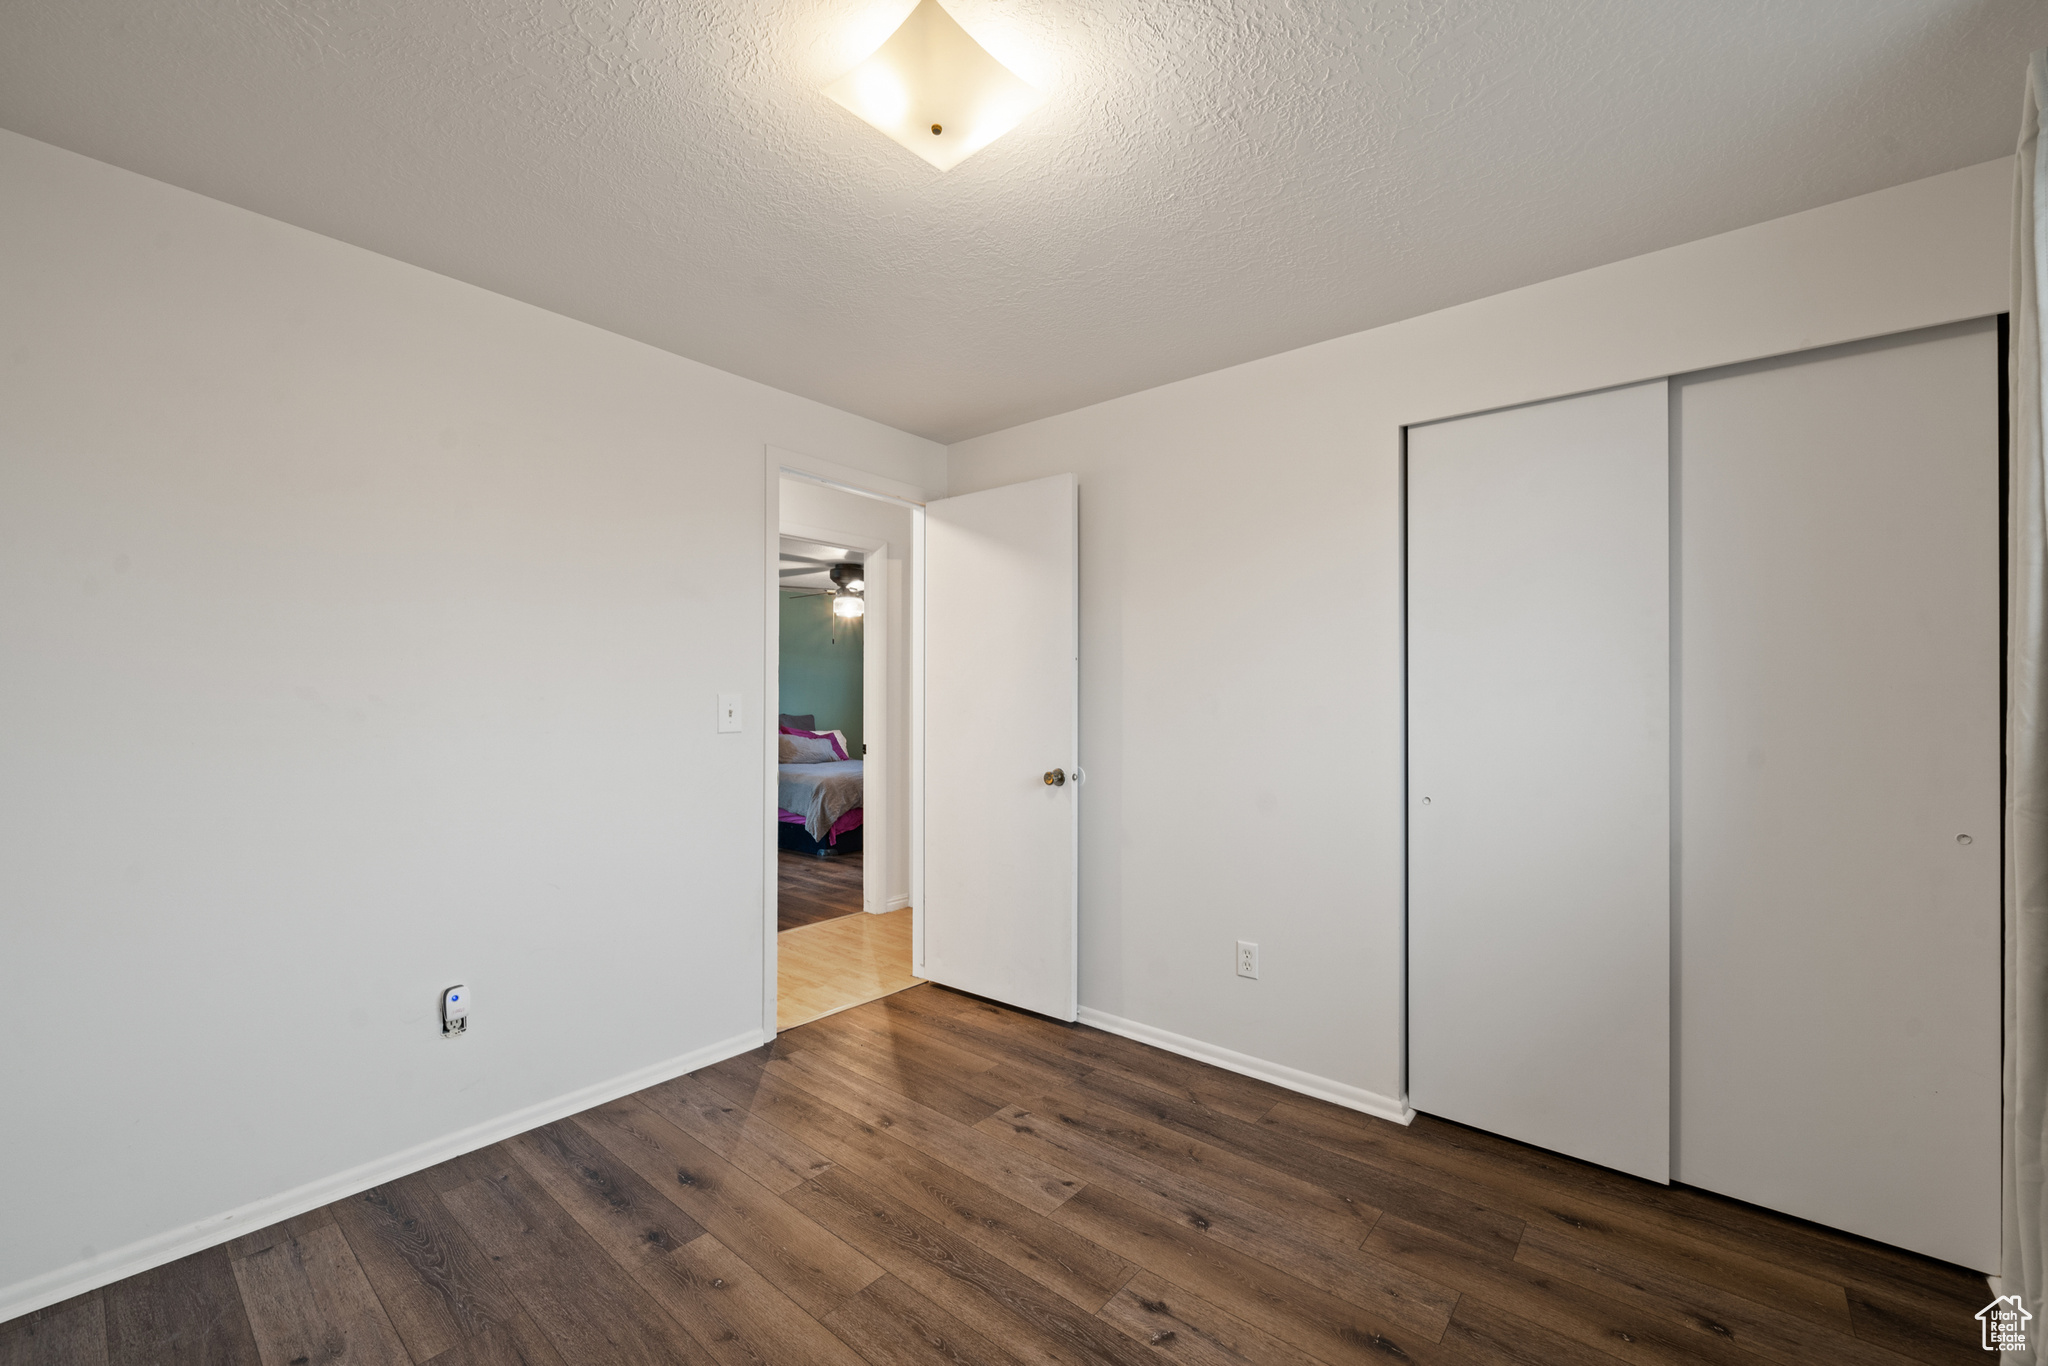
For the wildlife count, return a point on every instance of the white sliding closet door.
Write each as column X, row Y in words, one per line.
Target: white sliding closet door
column 1539, row 774
column 1838, row 1014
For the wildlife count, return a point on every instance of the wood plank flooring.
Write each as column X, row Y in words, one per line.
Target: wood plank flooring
column 929, row 1180
column 839, row 963
column 809, row 889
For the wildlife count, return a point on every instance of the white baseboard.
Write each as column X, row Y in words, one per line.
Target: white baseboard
column 1395, row 1108
column 899, row 903
column 90, row 1273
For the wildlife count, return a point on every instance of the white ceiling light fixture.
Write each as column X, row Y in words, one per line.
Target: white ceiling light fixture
column 935, row 90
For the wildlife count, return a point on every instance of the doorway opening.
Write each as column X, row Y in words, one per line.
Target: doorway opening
column 970, row 727
column 843, row 918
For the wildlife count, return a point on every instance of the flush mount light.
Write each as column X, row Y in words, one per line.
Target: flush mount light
column 935, row 90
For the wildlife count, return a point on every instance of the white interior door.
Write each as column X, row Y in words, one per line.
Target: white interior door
column 1838, row 1023
column 998, row 914
column 1539, row 959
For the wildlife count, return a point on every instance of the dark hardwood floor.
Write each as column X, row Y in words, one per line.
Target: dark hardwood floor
column 809, row 889
column 928, row 1179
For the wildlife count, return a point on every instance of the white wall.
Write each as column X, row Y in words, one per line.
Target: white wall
column 1241, row 599
column 360, row 632
column 847, row 514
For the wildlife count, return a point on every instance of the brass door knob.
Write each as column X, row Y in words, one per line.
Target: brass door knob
column 1056, row 778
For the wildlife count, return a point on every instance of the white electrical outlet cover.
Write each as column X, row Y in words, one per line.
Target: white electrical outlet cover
column 455, row 1009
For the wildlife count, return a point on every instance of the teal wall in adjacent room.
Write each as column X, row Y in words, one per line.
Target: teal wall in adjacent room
column 819, row 676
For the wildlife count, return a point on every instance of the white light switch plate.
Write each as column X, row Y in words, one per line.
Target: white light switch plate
column 728, row 713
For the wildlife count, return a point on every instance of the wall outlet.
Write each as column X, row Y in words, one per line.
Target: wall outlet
column 728, row 713
column 1247, row 958
column 455, row 1012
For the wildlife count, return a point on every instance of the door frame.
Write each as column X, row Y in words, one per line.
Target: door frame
column 779, row 464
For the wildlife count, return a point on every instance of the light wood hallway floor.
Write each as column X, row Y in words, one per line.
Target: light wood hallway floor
column 929, row 1180
column 835, row 964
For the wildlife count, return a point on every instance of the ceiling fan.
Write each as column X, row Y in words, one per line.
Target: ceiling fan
column 848, row 579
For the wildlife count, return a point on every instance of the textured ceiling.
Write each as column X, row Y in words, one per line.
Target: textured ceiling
column 1208, row 181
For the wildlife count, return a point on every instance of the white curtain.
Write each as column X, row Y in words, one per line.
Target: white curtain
column 2026, row 814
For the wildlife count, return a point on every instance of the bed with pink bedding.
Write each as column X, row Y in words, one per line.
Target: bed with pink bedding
column 817, row 789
